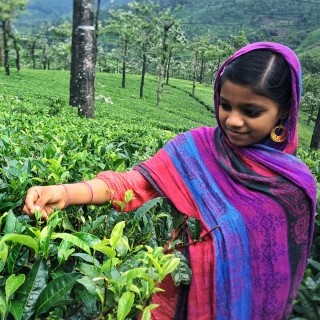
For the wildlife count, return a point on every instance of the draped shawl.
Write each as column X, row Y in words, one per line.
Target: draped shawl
column 261, row 197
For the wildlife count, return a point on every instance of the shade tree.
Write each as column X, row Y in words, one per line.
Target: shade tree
column 171, row 36
column 123, row 24
column 9, row 10
column 146, row 14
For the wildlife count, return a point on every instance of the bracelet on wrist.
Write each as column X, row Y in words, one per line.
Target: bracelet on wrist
column 91, row 190
column 68, row 196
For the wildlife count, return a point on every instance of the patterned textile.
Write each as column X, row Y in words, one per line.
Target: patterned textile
column 263, row 200
column 119, row 182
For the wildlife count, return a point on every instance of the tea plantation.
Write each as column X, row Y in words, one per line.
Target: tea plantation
column 93, row 262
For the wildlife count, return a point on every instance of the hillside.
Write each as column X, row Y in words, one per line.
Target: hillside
column 285, row 21
column 288, row 21
column 53, row 11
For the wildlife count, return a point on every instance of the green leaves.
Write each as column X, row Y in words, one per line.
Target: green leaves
column 146, row 315
column 125, row 304
column 23, row 239
column 99, row 273
column 194, row 228
column 116, row 234
column 55, row 293
column 29, row 293
column 106, row 251
column 12, row 284
column 74, row 240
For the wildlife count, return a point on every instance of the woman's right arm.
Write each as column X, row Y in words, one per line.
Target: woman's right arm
column 107, row 186
column 46, row 198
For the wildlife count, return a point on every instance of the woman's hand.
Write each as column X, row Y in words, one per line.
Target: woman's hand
column 45, row 199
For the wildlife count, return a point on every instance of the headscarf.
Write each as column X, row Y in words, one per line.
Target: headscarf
column 263, row 200
column 296, row 78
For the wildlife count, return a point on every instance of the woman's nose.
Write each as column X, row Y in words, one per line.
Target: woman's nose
column 235, row 119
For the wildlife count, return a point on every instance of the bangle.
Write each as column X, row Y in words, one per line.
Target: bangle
column 91, row 191
column 68, row 194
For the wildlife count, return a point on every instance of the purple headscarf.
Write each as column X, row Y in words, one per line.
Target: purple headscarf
column 296, row 77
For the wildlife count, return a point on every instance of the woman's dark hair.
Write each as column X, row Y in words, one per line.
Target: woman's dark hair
column 266, row 72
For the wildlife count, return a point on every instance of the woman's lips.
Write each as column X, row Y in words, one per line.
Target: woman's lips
column 234, row 133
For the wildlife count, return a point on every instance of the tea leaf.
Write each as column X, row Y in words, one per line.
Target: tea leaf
column 31, row 289
column 54, row 293
column 73, row 239
column 116, row 234
column 146, row 315
column 125, row 305
column 23, row 239
column 12, row 284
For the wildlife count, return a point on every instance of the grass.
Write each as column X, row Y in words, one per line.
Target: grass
column 178, row 111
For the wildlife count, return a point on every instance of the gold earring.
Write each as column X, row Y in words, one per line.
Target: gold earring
column 279, row 133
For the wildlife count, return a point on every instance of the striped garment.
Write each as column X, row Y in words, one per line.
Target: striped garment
column 263, row 200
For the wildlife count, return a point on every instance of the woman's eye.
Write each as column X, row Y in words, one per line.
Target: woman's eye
column 225, row 106
column 252, row 113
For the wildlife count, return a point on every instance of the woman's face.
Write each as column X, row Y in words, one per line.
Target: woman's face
column 245, row 116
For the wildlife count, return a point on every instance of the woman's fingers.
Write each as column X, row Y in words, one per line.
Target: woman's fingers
column 45, row 199
column 39, row 199
column 30, row 202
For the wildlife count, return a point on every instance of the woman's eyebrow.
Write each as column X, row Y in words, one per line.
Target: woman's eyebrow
column 245, row 105
column 252, row 105
column 223, row 99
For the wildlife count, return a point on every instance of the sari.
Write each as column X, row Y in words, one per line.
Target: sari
column 260, row 201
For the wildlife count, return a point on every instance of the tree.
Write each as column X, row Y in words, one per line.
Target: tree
column 8, row 11
column 167, row 21
column 238, row 41
column 198, row 48
column 123, row 23
column 219, row 51
column 177, row 42
column 315, row 140
column 311, row 100
column 59, row 46
column 16, row 47
column 145, row 11
column 310, row 63
column 83, row 57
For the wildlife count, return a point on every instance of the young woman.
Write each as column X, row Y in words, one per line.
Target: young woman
column 241, row 179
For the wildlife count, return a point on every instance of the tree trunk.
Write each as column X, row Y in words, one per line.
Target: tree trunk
column 213, row 73
column 44, row 58
column 5, row 47
column 143, row 71
column 83, row 69
column 168, row 67
column 16, row 49
column 310, row 114
column 32, row 52
column 15, row 43
column 74, row 72
column 125, row 53
column 166, row 29
column 96, row 23
column 201, row 76
column 194, row 75
column 315, row 140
